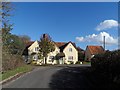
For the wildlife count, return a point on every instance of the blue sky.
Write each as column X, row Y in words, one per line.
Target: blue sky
column 76, row 22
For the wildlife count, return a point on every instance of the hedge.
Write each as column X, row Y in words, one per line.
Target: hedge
column 108, row 64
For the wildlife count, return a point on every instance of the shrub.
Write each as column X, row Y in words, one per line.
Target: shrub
column 71, row 62
column 10, row 62
column 78, row 62
column 33, row 62
column 109, row 64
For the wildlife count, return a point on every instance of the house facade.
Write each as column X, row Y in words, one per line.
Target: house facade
column 91, row 51
column 64, row 53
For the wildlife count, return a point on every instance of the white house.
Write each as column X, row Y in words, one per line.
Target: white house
column 64, row 53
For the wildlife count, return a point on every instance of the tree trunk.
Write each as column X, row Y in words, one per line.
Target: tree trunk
column 45, row 60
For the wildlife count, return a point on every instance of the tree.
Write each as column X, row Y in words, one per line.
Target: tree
column 11, row 44
column 6, row 26
column 25, row 38
column 46, row 46
column 81, row 54
column 17, row 45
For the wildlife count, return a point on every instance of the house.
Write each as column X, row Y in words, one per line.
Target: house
column 64, row 53
column 91, row 51
column 31, row 51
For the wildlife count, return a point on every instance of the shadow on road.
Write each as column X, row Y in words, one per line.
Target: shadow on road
column 78, row 77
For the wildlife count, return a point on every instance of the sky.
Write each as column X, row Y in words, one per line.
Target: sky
column 84, row 23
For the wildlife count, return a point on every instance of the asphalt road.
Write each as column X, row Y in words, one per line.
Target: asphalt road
column 41, row 77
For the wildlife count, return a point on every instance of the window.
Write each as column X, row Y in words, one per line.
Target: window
column 70, row 58
column 36, row 48
column 35, row 57
column 51, row 57
column 70, row 49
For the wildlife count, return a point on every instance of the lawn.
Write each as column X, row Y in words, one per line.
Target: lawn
column 86, row 62
column 22, row 69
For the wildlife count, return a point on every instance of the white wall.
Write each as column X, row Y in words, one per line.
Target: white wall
column 54, row 53
column 66, row 51
column 74, row 53
column 31, row 49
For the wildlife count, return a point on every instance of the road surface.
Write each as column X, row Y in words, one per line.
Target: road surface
column 44, row 77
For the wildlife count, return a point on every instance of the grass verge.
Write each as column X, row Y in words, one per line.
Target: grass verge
column 86, row 62
column 22, row 69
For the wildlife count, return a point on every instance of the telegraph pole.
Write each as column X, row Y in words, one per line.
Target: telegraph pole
column 104, row 42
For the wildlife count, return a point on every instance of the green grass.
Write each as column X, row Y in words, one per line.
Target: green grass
column 21, row 69
column 86, row 62
column 0, row 76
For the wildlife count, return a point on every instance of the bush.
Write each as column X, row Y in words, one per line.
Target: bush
column 71, row 62
column 108, row 64
column 33, row 62
column 10, row 62
column 78, row 62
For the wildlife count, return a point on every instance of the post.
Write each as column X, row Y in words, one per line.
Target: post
column 104, row 42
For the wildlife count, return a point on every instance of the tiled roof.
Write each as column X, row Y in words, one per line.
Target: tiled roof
column 95, row 49
column 29, row 43
column 79, row 49
column 59, row 44
column 25, row 52
column 62, row 45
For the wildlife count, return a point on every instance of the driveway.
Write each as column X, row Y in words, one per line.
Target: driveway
column 60, row 76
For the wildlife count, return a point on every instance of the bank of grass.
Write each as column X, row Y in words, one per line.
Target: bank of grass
column 86, row 62
column 22, row 69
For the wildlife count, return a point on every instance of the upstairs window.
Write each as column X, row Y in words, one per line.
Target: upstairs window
column 70, row 49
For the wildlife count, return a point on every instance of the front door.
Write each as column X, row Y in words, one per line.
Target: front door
column 61, row 61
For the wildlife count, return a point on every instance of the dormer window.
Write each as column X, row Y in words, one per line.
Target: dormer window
column 70, row 49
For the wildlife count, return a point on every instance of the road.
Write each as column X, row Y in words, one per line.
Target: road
column 43, row 77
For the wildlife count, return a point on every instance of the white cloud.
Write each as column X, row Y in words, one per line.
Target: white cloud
column 99, row 38
column 107, row 24
column 81, row 39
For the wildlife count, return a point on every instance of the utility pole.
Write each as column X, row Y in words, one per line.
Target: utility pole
column 104, row 42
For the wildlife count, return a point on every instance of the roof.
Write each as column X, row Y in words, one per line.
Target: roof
column 59, row 44
column 95, row 49
column 61, row 54
column 25, row 52
column 29, row 43
column 62, row 45
column 79, row 49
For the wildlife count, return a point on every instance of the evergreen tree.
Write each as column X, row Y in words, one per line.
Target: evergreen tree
column 46, row 46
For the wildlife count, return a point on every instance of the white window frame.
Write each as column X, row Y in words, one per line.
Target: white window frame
column 36, row 48
column 70, row 49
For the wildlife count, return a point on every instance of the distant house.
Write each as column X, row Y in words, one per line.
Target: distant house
column 91, row 51
column 64, row 53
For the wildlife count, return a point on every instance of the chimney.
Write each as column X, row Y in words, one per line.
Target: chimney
column 45, row 36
